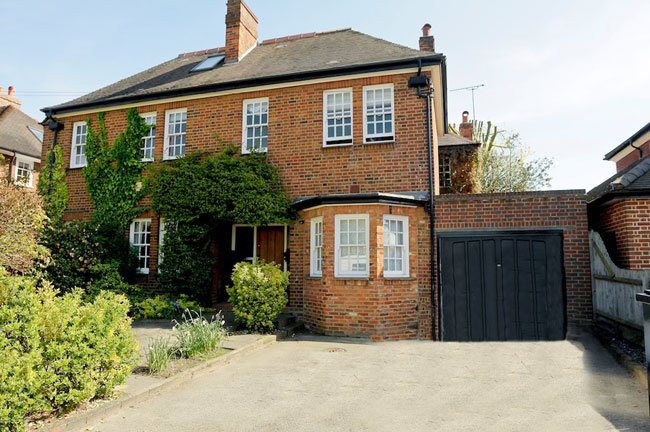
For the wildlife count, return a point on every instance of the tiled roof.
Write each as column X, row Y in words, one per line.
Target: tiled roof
column 15, row 134
column 326, row 52
column 450, row 140
column 634, row 179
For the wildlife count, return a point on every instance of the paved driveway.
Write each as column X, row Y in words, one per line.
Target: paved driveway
column 321, row 384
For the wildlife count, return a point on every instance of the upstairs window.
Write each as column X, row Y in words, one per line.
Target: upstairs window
column 78, row 152
column 396, row 246
column 351, row 245
column 23, row 173
column 149, row 140
column 255, row 125
column 140, row 237
column 175, row 128
column 337, row 117
column 316, row 242
column 378, row 114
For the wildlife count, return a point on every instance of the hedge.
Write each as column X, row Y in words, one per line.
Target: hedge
column 58, row 351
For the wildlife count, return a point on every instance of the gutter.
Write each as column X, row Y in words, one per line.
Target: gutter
column 361, row 198
column 254, row 82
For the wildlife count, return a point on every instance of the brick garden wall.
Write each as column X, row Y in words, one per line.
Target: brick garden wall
column 625, row 228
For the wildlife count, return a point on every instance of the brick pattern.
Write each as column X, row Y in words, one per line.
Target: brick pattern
column 563, row 210
column 633, row 157
column 295, row 143
column 625, row 228
column 378, row 307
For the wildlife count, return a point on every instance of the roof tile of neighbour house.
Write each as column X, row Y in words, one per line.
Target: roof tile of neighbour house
column 633, row 180
column 275, row 59
column 453, row 140
column 15, row 133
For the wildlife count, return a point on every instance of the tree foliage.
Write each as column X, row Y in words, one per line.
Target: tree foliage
column 503, row 163
column 114, row 172
column 22, row 219
column 52, row 186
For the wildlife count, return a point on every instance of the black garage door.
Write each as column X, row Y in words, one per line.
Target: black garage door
column 502, row 286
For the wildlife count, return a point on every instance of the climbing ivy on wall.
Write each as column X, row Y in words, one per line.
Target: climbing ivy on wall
column 52, row 186
column 114, row 172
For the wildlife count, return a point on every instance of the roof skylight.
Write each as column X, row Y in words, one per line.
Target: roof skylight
column 209, row 63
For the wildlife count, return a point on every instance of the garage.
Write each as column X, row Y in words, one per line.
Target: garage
column 502, row 286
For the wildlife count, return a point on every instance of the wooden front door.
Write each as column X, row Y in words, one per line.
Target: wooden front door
column 270, row 244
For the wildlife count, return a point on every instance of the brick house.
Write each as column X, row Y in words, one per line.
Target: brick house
column 354, row 124
column 21, row 141
column 619, row 208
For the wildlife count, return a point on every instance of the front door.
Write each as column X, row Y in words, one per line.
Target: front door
column 270, row 244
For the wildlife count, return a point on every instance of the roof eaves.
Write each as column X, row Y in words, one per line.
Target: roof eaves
column 430, row 59
column 627, row 142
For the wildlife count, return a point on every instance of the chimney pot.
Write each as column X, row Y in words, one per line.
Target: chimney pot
column 11, row 90
column 465, row 116
column 2, row 90
column 425, row 29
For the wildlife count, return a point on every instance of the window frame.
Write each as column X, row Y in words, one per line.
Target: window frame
column 167, row 135
column 74, row 145
column 325, row 118
column 337, row 234
column 30, row 163
column 405, row 247
column 245, row 103
column 444, row 176
column 313, row 258
column 146, row 116
column 367, row 138
column 141, row 270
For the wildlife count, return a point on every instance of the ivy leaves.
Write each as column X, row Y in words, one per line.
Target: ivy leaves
column 114, row 173
column 223, row 187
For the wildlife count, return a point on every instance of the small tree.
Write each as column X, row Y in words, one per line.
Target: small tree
column 503, row 163
column 22, row 219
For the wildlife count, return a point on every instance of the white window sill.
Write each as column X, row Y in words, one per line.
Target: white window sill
column 247, row 152
column 78, row 166
column 352, row 277
column 146, row 160
column 398, row 277
column 325, row 145
column 142, row 271
column 314, row 276
column 393, row 141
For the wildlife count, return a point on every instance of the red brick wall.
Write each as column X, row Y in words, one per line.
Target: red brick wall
column 633, row 157
column 382, row 308
column 563, row 210
column 625, row 228
column 295, row 142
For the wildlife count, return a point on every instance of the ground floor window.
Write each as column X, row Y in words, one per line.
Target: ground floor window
column 396, row 252
column 351, row 245
column 140, row 238
column 316, row 242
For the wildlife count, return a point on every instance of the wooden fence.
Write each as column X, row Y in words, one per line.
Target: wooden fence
column 614, row 288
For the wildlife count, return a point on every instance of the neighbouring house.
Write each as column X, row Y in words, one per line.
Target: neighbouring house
column 21, row 141
column 457, row 158
column 619, row 208
column 354, row 123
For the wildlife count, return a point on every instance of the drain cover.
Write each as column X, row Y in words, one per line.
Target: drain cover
column 336, row 350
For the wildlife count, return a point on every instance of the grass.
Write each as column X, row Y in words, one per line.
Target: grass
column 196, row 337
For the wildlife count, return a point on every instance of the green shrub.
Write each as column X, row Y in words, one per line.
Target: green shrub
column 159, row 355
column 158, row 307
column 258, row 294
column 20, row 351
column 196, row 335
column 58, row 351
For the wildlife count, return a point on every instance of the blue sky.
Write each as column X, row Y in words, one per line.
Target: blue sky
column 571, row 77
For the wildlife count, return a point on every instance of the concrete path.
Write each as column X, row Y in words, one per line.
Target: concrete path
column 326, row 384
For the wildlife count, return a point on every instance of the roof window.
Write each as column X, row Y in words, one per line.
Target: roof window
column 209, row 63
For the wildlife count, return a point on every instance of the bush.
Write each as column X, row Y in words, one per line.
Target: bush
column 196, row 335
column 163, row 307
column 58, row 351
column 258, row 294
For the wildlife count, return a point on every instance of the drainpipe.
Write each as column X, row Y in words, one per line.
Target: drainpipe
column 639, row 149
column 11, row 164
column 425, row 90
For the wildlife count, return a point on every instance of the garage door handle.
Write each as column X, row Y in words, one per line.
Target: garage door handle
column 498, row 265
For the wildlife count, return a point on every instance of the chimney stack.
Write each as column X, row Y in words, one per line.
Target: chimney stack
column 241, row 30
column 466, row 128
column 8, row 99
column 426, row 42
